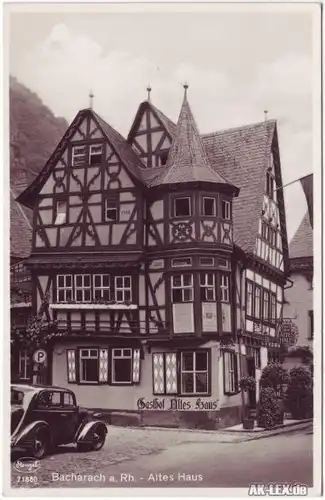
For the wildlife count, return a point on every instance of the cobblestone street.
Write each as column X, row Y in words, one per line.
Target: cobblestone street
column 122, row 445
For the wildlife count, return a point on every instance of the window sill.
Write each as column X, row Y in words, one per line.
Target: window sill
column 91, row 306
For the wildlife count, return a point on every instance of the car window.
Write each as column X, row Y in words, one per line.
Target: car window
column 17, row 397
column 49, row 399
column 68, row 399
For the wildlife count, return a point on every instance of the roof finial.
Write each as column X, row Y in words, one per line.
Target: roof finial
column 185, row 89
column 149, row 90
column 265, row 115
column 91, row 99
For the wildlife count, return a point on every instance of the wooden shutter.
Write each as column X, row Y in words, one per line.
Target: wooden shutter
column 158, row 373
column 136, row 366
column 71, row 365
column 103, row 366
column 226, row 364
column 171, row 372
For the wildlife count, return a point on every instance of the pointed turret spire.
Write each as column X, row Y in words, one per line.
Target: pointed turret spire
column 187, row 160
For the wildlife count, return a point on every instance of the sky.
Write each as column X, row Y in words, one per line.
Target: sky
column 237, row 65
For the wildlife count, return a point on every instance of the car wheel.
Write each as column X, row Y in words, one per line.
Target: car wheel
column 98, row 440
column 40, row 446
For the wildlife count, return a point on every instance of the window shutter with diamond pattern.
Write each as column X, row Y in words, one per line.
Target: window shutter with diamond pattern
column 71, row 365
column 158, row 374
column 136, row 366
column 103, row 366
column 171, row 372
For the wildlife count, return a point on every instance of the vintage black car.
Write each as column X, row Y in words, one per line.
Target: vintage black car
column 43, row 417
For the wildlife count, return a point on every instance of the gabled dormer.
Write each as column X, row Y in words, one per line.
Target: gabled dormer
column 151, row 135
column 89, row 194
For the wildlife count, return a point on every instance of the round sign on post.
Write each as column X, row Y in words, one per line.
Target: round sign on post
column 40, row 356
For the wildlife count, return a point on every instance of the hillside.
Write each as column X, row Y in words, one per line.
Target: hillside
column 34, row 133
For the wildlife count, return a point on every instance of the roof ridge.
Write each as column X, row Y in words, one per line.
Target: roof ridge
column 240, row 127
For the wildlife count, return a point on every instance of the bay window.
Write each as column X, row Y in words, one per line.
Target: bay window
column 182, row 288
column 207, row 287
column 224, row 286
column 64, row 289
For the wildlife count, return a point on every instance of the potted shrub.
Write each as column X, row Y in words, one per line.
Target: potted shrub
column 275, row 377
column 299, row 396
column 247, row 384
column 268, row 408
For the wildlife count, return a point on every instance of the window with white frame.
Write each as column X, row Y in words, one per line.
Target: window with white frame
column 89, row 365
column 123, row 288
column 79, row 154
column 226, row 210
column 101, row 286
column 82, row 287
column 111, row 207
column 209, row 207
column 266, row 305
column 257, row 301
column 121, row 366
column 230, row 372
column 249, row 298
column 207, row 287
column 224, row 287
column 182, row 288
column 23, row 364
column 60, row 213
column 95, row 154
column 64, row 288
column 194, row 372
column 273, row 307
column 182, row 207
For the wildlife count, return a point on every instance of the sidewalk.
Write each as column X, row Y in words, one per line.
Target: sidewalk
column 235, row 434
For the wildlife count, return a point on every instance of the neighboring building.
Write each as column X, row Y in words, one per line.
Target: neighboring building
column 20, row 285
column 164, row 257
column 299, row 298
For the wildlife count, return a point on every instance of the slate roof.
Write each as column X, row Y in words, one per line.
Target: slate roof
column 123, row 149
column 301, row 244
column 187, row 159
column 240, row 154
column 20, row 229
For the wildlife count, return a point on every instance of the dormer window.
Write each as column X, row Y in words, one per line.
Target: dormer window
column 79, row 155
column 182, row 207
column 110, row 210
column 162, row 158
column 209, row 207
column 96, row 154
column 270, row 184
column 226, row 210
column 60, row 213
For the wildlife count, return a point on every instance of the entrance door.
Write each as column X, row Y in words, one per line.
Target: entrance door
column 251, row 373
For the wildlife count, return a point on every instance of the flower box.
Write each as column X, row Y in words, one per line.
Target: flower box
column 91, row 307
column 21, row 304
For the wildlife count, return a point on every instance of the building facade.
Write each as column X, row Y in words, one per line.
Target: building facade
column 162, row 260
column 299, row 297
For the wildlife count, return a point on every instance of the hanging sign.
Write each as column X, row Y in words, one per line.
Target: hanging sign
column 288, row 333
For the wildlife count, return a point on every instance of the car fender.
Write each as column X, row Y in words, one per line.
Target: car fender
column 28, row 432
column 84, row 434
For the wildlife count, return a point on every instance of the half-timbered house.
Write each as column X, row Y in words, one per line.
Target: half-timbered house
column 162, row 260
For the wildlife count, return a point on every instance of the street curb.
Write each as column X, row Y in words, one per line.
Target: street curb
column 277, row 427
column 266, row 434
